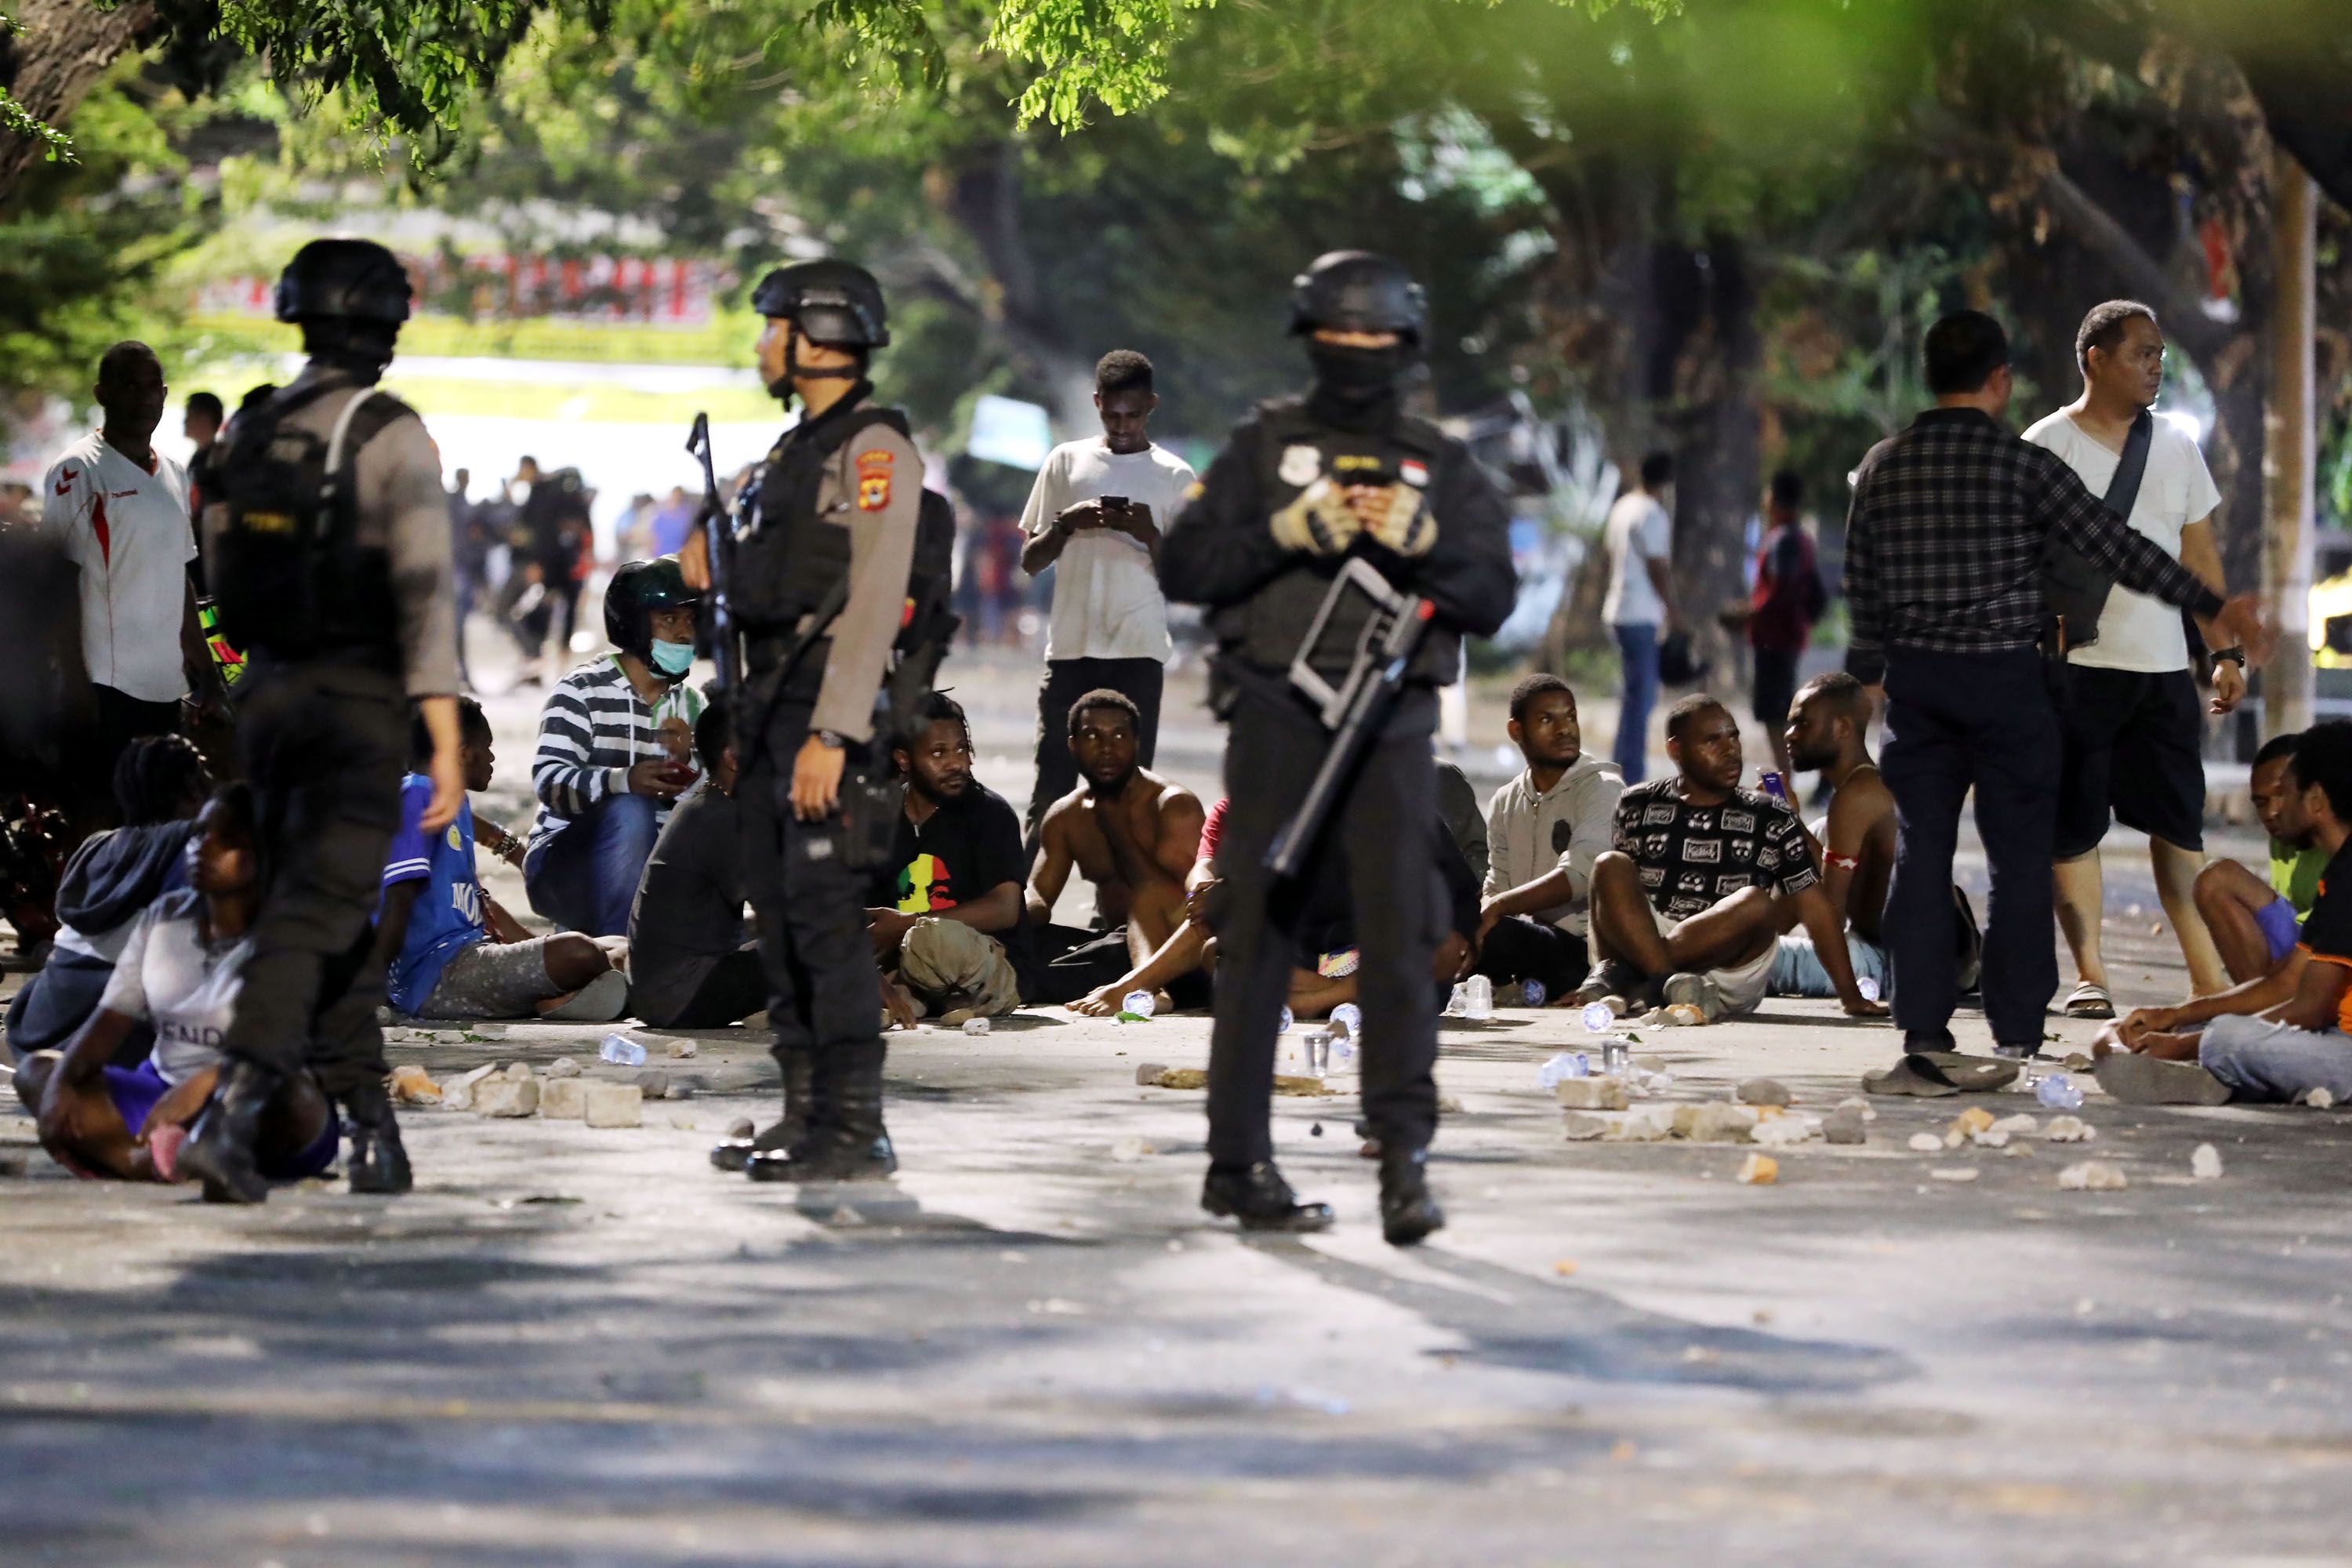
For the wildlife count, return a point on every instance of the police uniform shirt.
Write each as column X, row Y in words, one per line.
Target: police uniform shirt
column 873, row 486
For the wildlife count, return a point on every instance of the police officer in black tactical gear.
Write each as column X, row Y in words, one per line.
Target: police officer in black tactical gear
column 1305, row 485
column 330, row 553
column 821, row 584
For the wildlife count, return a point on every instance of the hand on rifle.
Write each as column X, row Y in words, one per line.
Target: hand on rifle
column 1394, row 514
column 1321, row 521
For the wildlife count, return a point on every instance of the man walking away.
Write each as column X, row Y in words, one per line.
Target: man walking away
column 1095, row 515
column 1943, row 576
column 1788, row 600
column 1639, row 538
column 2135, row 737
column 201, row 423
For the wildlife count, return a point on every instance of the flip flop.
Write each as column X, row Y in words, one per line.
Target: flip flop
column 2138, row 1080
column 1913, row 1075
column 600, row 1000
column 1973, row 1075
column 2089, row 1001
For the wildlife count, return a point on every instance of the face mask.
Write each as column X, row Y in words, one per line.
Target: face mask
column 1358, row 375
column 673, row 658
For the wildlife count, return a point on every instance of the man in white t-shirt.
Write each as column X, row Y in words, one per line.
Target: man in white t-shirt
column 120, row 510
column 2134, row 731
column 1640, row 539
column 1095, row 516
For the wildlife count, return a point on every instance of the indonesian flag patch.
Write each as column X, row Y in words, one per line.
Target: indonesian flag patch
column 874, row 478
column 1414, row 472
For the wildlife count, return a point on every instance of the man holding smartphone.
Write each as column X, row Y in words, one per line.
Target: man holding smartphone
column 1095, row 514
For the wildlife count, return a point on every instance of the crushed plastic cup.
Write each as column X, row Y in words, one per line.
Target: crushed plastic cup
column 1534, row 993
column 2059, row 1092
column 1598, row 1016
column 619, row 1048
column 1285, row 1027
column 1348, row 1018
column 1138, row 1003
column 1868, row 987
column 1478, row 1002
column 1565, row 1065
column 1458, row 1004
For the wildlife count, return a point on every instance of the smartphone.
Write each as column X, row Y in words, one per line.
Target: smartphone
column 1112, row 504
column 678, row 774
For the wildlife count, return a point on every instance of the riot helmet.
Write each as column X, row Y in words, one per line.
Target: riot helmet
column 349, row 297
column 836, row 304
column 636, row 592
column 1355, row 290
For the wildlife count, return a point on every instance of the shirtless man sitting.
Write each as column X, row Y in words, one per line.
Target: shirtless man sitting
column 1130, row 833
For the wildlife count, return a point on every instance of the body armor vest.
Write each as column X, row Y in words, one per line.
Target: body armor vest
column 290, row 577
column 1294, row 450
column 794, row 555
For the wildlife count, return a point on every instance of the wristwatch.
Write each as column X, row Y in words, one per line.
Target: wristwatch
column 833, row 738
column 2222, row 655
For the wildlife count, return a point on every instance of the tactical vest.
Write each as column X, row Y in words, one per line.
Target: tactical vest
column 1294, row 450
column 290, row 575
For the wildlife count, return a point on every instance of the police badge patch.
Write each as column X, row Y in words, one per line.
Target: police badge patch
column 874, row 478
column 1300, row 466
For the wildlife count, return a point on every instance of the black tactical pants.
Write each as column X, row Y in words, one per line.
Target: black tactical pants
column 809, row 904
column 324, row 748
column 1381, row 832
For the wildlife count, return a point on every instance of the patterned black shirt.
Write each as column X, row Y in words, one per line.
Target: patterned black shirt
column 1944, row 541
column 1692, row 858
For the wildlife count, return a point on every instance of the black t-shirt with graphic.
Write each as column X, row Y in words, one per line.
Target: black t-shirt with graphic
column 964, row 848
column 1694, row 856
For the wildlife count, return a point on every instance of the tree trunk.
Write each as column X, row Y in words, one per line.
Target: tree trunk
column 985, row 199
column 57, row 52
column 2290, row 441
column 1717, row 419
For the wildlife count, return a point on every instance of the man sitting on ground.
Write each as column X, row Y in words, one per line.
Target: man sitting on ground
column 2281, row 1035
column 947, row 919
column 692, row 963
column 1130, row 833
column 450, row 951
column 1689, row 905
column 1828, row 724
column 1544, row 830
column 2256, row 923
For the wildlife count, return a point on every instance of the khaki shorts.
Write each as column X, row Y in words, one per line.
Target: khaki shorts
column 1743, row 987
column 950, row 965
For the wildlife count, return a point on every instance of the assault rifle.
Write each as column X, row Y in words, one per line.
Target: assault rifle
column 725, row 647
column 1353, row 711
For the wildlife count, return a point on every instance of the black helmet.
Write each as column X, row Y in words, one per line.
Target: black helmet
column 637, row 590
column 344, row 281
column 836, row 303
column 1357, row 292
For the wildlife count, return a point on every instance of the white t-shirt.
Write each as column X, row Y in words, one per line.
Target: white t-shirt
column 167, row 976
column 1106, row 598
column 1639, row 533
column 2137, row 632
column 128, row 531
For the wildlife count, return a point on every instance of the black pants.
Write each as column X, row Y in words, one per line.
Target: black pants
column 1523, row 949
column 1380, row 832
column 1066, row 680
column 1956, row 721
column 823, row 995
column 730, row 994
column 1073, row 960
column 2135, row 745
column 323, row 748
column 116, row 718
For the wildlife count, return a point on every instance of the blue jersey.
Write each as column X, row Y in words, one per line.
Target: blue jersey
column 448, row 910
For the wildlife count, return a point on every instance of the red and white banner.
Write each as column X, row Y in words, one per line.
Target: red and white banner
column 634, row 289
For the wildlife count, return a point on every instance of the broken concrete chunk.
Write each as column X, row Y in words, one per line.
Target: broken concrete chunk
column 1990, row 1138
column 1645, row 1124
column 1146, row 1074
column 1681, row 1015
column 2018, row 1126
column 457, row 1094
column 1716, row 1123
column 1590, row 1093
column 1844, row 1125
column 1863, row 1107
column 506, row 1097
column 412, row 1085
column 1759, row 1171
column 1763, row 1091
column 1783, row 1132
column 563, row 1066
column 1181, row 1078
column 655, row 1083
column 2077, row 1062
column 2205, row 1164
column 613, row 1105
column 1953, row 1174
column 2320, row 1099
column 565, row 1099
column 682, row 1049
column 1926, row 1143
column 1583, row 1125
column 2069, row 1129
column 2092, row 1176
column 679, row 1090
column 1976, row 1119
column 519, row 1072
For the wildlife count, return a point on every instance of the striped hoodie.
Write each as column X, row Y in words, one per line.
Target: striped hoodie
column 594, row 729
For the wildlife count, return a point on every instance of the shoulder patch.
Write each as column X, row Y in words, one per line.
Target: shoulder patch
column 874, row 466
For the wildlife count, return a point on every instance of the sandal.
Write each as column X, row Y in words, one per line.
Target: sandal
column 2089, row 1001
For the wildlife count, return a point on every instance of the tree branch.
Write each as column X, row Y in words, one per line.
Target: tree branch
column 2183, row 315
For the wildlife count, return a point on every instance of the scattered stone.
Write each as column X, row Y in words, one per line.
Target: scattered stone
column 1990, row 1138
column 519, row 1072
column 1582, row 1126
column 1953, row 1174
column 1846, row 1126
column 1758, row 1170
column 1974, row 1119
column 457, row 1094
column 506, row 1097
column 1564, row 1267
column 1926, row 1143
column 1290, row 1083
column 742, row 1127
column 1783, row 1131
column 1681, row 1015
column 1127, row 1150
column 1954, row 1137
column 1590, row 1093
column 2092, row 1176
column 613, row 1105
column 683, row 1049
column 2205, row 1164
column 679, row 1090
column 2018, row 1126
column 2078, row 1062
column 2069, row 1129
column 410, row 1085
column 1762, row 1092
column 655, row 1083
column 1146, row 1074
column 1717, row 1122
column 1183, row 1078
column 563, row 1066
column 2320, row 1098
column 1645, row 1124
column 564, row 1099
column 1859, row 1106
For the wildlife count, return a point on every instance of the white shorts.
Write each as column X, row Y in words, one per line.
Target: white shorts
column 1742, row 988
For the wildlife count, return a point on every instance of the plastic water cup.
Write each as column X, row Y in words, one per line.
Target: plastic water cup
column 2059, row 1092
column 1458, row 1004
column 1565, row 1065
column 1868, row 987
column 619, row 1048
column 1616, row 1058
column 1598, row 1017
column 1533, row 990
column 1479, row 1003
column 1348, row 1019
column 1138, row 1003
column 1285, row 1027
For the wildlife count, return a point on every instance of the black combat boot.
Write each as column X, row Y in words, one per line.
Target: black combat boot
column 1258, row 1198
column 847, row 1142
column 1408, row 1211
column 379, row 1162
column 783, row 1137
column 221, row 1153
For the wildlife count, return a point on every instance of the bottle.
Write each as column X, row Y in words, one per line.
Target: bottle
column 1868, row 987
column 1138, row 1003
column 619, row 1048
column 1598, row 1016
column 1534, row 993
column 1771, row 782
column 2059, row 1092
column 1479, row 1002
column 1567, row 1064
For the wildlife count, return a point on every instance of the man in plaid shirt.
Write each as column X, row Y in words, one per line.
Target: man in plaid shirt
column 1943, row 582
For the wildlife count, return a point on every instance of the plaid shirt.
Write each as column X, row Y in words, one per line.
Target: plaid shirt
column 1944, row 541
